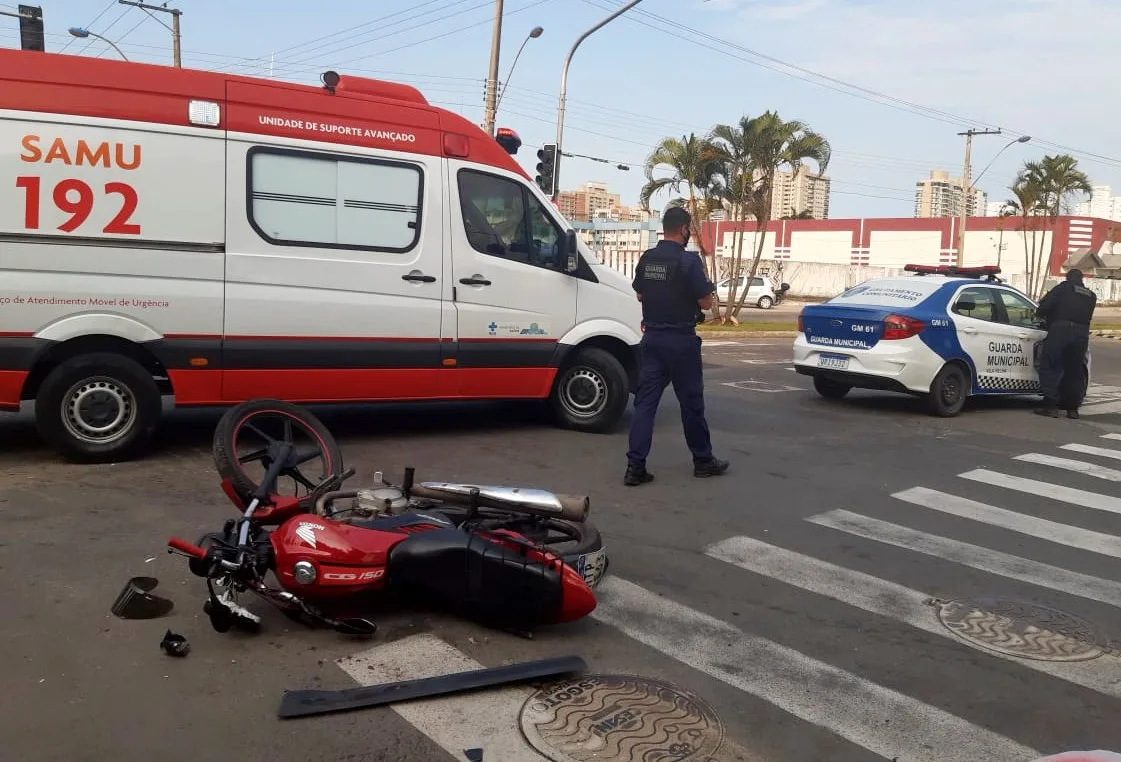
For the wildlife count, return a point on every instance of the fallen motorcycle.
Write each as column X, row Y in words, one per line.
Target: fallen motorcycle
column 482, row 551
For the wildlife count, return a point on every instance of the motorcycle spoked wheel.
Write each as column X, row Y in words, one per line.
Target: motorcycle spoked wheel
column 245, row 431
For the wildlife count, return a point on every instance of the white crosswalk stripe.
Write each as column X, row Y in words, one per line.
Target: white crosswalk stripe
column 882, row 720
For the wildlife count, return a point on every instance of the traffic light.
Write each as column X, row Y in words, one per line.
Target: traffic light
column 31, row 28
column 547, row 168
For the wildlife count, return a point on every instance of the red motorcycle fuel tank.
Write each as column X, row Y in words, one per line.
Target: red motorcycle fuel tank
column 345, row 559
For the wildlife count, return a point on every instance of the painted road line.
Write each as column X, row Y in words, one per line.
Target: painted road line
column 1052, row 531
column 975, row 556
column 1103, row 452
column 1111, row 436
column 765, row 387
column 1101, row 408
column 887, row 599
column 486, row 719
column 883, row 721
column 1078, row 466
column 1046, row 489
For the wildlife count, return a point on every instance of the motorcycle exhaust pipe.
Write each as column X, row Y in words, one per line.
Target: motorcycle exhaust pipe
column 537, row 502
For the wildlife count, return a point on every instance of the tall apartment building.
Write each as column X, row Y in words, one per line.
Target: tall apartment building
column 803, row 192
column 593, row 201
column 1102, row 204
column 941, row 196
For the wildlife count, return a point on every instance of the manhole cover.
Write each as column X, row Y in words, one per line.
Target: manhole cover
column 620, row 717
column 1022, row 629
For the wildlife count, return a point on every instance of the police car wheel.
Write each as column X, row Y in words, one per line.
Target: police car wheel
column 948, row 391
column 590, row 393
column 830, row 389
column 98, row 407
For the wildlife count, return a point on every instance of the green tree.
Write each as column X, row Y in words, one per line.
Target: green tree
column 754, row 150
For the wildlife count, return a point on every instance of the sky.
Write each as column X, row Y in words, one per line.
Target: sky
column 890, row 83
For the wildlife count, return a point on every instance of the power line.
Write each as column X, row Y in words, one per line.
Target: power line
column 91, row 23
column 868, row 94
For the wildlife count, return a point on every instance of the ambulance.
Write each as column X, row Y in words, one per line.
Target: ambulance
column 207, row 238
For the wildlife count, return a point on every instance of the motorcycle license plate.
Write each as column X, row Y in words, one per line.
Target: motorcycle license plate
column 833, row 362
column 591, row 566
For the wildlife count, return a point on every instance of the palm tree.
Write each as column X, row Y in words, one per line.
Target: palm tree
column 1042, row 190
column 693, row 164
column 735, row 148
column 769, row 144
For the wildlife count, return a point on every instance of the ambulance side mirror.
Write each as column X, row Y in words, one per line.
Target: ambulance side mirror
column 572, row 252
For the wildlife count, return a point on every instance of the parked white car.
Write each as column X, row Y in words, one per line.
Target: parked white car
column 761, row 293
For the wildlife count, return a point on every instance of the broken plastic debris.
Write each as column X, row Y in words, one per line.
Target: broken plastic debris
column 473, row 755
column 175, row 644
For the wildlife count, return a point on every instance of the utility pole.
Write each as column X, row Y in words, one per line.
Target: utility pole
column 492, row 77
column 966, row 189
column 564, row 87
column 175, row 14
column 30, row 26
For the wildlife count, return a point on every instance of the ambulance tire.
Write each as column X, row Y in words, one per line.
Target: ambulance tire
column 93, row 388
column 590, row 393
column 948, row 391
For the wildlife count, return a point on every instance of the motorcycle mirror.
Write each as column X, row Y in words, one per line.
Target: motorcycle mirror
column 137, row 602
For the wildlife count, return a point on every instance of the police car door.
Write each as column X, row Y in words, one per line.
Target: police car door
column 987, row 340
column 1027, row 331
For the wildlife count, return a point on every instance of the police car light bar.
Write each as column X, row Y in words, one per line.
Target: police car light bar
column 966, row 272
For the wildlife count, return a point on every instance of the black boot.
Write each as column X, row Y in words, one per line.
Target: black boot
column 714, row 467
column 637, row 475
column 1073, row 413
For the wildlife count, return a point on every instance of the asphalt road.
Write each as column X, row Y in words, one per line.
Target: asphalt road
column 801, row 597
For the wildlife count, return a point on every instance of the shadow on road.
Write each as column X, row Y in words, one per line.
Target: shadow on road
column 191, row 429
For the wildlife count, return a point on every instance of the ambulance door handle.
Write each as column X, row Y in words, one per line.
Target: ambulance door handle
column 476, row 280
column 418, row 277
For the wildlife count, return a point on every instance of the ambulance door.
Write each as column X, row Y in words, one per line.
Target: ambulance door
column 334, row 275
column 514, row 298
column 996, row 353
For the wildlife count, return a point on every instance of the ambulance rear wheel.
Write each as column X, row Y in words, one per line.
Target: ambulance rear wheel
column 98, row 407
column 590, row 393
column 948, row 391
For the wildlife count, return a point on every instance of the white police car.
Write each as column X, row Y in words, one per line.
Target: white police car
column 944, row 333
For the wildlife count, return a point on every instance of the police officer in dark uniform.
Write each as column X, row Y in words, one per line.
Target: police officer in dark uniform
column 1067, row 309
column 671, row 284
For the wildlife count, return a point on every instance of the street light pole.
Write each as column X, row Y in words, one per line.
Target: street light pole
column 564, row 87
column 492, row 76
column 966, row 187
column 174, row 28
column 79, row 32
column 533, row 34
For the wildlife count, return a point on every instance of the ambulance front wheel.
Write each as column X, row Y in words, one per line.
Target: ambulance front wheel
column 98, row 407
column 948, row 391
column 590, row 393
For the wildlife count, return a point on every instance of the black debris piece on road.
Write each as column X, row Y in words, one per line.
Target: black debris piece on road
column 304, row 703
column 137, row 602
column 175, row 644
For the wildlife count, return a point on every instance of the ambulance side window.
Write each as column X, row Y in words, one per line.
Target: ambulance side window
column 1020, row 311
column 977, row 302
column 502, row 218
column 300, row 198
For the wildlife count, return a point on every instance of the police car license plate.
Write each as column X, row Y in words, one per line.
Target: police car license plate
column 833, row 362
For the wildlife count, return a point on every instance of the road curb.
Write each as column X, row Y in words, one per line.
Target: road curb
column 1106, row 334
column 750, row 334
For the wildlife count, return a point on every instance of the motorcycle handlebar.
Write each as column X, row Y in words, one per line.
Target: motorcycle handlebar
column 183, row 546
column 572, row 507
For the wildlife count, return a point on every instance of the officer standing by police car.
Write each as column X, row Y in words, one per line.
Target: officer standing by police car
column 672, row 286
column 1067, row 309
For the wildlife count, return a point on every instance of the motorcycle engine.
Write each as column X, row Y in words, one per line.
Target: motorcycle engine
column 373, row 502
